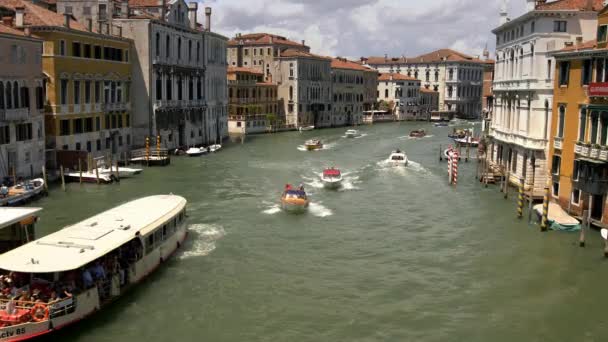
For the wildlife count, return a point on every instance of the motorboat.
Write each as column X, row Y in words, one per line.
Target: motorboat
column 398, row 158
column 440, row 124
column 331, row 178
column 306, row 128
column 123, row 172
column 460, row 133
column 21, row 192
column 467, row 140
column 215, row 148
column 352, row 133
column 418, row 133
column 313, row 144
column 91, row 177
column 17, row 227
column 558, row 218
column 138, row 238
column 294, row 200
column 196, row 151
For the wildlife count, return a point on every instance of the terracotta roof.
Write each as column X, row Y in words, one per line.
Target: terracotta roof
column 146, row 3
column 395, row 77
column 263, row 39
column 343, row 63
column 299, row 53
column 581, row 5
column 9, row 30
column 430, row 91
column 589, row 45
column 244, row 70
column 431, row 57
column 39, row 16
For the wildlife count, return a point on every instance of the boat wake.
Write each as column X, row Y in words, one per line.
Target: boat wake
column 362, row 136
column 314, row 182
column 407, row 137
column 349, row 183
column 272, row 209
column 318, row 210
column 202, row 239
column 328, row 146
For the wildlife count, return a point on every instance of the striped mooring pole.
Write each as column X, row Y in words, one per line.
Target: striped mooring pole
column 147, row 149
column 450, row 161
column 543, row 223
column 158, row 145
column 520, row 200
column 455, row 166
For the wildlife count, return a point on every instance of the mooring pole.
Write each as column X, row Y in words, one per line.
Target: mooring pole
column 543, row 223
column 520, row 200
column 62, row 178
column 581, row 237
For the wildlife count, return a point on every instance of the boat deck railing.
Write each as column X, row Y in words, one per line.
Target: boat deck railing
column 14, row 312
column 153, row 153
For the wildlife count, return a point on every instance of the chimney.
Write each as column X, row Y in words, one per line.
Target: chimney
column 530, row 5
column 208, row 19
column 568, row 44
column 66, row 20
column 163, row 10
column 271, row 39
column 579, row 40
column 386, row 57
column 503, row 13
column 192, row 9
column 90, row 25
column 589, row 5
column 19, row 14
column 27, row 31
column 303, row 42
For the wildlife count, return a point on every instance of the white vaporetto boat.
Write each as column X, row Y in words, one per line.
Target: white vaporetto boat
column 398, row 158
column 352, row 133
column 71, row 274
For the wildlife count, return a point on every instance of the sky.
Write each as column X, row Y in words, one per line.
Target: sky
column 356, row 28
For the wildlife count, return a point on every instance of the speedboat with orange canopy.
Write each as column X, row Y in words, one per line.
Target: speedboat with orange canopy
column 313, row 144
column 294, row 199
column 331, row 178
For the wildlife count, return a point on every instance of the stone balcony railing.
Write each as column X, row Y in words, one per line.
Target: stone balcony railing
column 593, row 151
column 116, row 106
column 18, row 114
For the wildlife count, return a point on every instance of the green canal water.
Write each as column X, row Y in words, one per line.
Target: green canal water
column 396, row 255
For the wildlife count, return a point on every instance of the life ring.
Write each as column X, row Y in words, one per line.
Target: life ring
column 40, row 313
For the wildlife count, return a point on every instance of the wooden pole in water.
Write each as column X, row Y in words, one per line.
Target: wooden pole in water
column 440, row 153
column 543, row 222
column 14, row 176
column 520, row 200
column 117, row 175
column 581, row 237
column 506, row 184
column 62, row 178
column 148, row 151
column 80, row 169
column 46, row 183
column 96, row 173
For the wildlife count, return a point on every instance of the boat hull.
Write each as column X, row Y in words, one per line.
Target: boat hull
column 88, row 302
column 331, row 184
column 313, row 147
column 294, row 206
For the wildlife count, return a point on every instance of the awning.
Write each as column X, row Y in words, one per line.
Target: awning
column 592, row 161
column 599, row 107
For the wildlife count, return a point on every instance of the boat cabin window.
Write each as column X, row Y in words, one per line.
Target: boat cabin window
column 15, row 235
column 165, row 232
column 149, row 243
column 397, row 157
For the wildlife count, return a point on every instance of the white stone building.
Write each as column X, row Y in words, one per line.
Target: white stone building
column 304, row 81
column 524, row 81
column 216, row 88
column 403, row 92
column 457, row 77
column 21, row 104
column 353, row 91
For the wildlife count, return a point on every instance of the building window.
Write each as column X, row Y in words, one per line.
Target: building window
column 555, row 165
column 564, row 73
column 98, row 145
column 76, row 92
column 601, row 33
column 159, row 88
column 62, row 48
column 168, row 47
column 168, row 90
column 576, row 197
column 587, row 72
column 87, row 50
column 560, row 26
column 76, row 49
column 532, row 27
column 594, row 127
column 179, row 48
column 582, row 128
column 600, row 66
column 560, row 121
column 64, row 127
column 157, row 44
column 64, row 92
column 23, row 132
column 555, row 189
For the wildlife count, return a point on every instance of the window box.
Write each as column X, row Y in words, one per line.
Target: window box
column 585, row 151
column 595, row 152
column 578, row 148
column 603, row 153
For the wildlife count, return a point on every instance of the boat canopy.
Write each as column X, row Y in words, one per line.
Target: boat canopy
column 77, row 245
column 295, row 192
column 331, row 172
column 10, row 216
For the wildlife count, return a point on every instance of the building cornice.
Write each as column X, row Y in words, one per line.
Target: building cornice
column 539, row 13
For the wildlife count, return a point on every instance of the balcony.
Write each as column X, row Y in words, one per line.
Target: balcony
column 591, row 177
column 598, row 89
column 18, row 114
column 558, row 143
column 582, row 149
column 116, row 106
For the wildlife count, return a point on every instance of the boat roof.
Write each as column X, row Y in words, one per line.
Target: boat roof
column 9, row 216
column 75, row 246
column 331, row 172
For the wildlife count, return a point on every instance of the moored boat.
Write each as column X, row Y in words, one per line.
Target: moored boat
column 418, row 133
column 306, row 128
column 352, row 133
column 331, row 178
column 90, row 177
column 68, row 275
column 21, row 192
column 294, row 200
column 196, row 151
column 17, row 227
column 468, row 140
column 313, row 144
column 215, row 148
column 398, row 158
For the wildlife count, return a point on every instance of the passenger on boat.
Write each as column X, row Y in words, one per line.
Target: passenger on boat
column 87, row 279
column 3, row 190
column 301, row 187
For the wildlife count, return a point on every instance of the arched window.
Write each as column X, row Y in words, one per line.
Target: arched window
column 386, row 93
column 9, row 96
column 179, row 88
column 450, row 91
column 190, row 50
column 290, row 93
column 1, row 95
column 168, row 47
column 16, row 94
column 428, row 76
column 157, row 44
column 451, row 74
column 168, row 88
column 179, row 48
column 436, row 76
column 560, row 121
column 198, row 51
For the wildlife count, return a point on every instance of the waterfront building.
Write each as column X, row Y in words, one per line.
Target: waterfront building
column 87, row 80
column 429, row 103
column 253, row 104
column 579, row 136
column 21, row 104
column 304, row 81
column 179, row 76
column 353, row 90
column 524, row 81
column 400, row 95
column 456, row 76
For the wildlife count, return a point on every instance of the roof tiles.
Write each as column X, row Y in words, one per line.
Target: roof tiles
column 39, row 16
column 581, row 5
column 395, row 77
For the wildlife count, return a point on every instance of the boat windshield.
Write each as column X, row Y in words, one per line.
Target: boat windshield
column 397, row 157
column 295, row 194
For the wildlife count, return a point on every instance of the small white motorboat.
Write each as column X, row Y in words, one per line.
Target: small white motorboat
column 306, row 128
column 331, row 178
column 352, row 133
column 123, row 172
column 398, row 158
column 91, row 177
column 468, row 140
column 22, row 192
column 215, row 147
column 196, row 151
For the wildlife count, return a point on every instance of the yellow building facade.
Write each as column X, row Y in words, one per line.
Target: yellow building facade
column 579, row 132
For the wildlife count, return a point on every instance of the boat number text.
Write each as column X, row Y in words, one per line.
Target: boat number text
column 11, row 333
